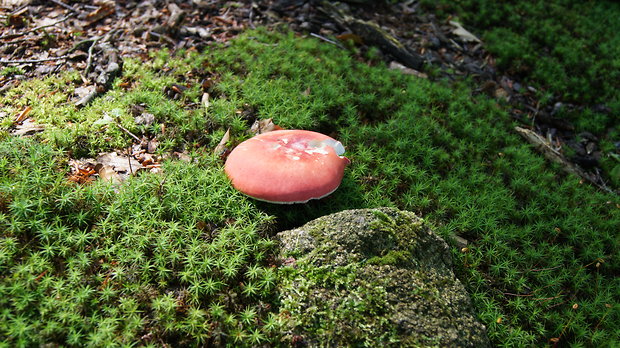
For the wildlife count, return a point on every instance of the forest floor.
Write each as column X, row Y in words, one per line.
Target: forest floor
column 119, row 226
column 46, row 37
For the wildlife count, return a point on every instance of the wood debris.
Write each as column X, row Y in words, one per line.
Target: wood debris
column 554, row 155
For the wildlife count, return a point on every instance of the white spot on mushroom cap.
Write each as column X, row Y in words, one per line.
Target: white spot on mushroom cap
column 336, row 145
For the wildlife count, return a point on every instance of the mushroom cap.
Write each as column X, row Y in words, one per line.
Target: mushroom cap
column 287, row 166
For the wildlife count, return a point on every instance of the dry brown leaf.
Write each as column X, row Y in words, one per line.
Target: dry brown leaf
column 27, row 127
column 350, row 37
column 82, row 171
column 107, row 173
column 22, row 115
column 119, row 163
column 151, row 146
column 181, row 156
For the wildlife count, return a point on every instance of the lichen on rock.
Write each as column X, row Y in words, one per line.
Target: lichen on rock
column 373, row 277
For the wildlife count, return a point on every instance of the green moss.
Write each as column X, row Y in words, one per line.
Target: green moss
column 184, row 246
column 351, row 286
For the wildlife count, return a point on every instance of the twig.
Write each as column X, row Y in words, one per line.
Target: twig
column 554, row 155
column 30, row 61
column 50, row 25
column 128, row 132
column 518, row 295
column 548, row 298
column 68, row 7
column 89, row 61
column 544, row 269
column 251, row 16
column 10, row 36
column 129, row 160
column 327, row 40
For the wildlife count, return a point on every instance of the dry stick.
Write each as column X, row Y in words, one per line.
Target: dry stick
column 327, row 40
column 89, row 61
column 68, row 7
column 30, row 61
column 129, row 160
column 50, row 25
column 128, row 132
column 554, row 155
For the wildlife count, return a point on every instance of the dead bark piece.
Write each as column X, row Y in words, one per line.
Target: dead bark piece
column 374, row 35
column 176, row 16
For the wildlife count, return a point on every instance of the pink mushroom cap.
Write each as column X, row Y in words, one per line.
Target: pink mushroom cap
column 287, row 166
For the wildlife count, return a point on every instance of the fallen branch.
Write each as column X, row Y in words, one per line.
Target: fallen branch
column 89, row 61
column 31, row 61
column 543, row 146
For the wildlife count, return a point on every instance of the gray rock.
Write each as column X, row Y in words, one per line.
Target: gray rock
column 373, row 277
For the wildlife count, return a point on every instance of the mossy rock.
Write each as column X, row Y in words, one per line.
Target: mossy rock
column 373, row 277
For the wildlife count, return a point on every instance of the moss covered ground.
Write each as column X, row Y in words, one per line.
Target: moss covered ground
column 180, row 257
column 569, row 50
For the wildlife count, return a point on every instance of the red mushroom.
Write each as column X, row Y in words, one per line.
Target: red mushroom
column 287, row 166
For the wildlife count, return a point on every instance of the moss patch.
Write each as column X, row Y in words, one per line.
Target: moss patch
column 373, row 278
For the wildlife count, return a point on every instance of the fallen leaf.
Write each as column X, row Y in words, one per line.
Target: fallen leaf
column 82, row 171
column 145, row 119
column 22, row 115
column 350, row 37
column 151, row 146
column 106, row 119
column 181, row 156
column 264, row 126
column 146, row 159
column 463, row 33
column 107, row 173
column 85, row 94
column 14, row 3
column 26, row 127
column 119, row 163
column 220, row 149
